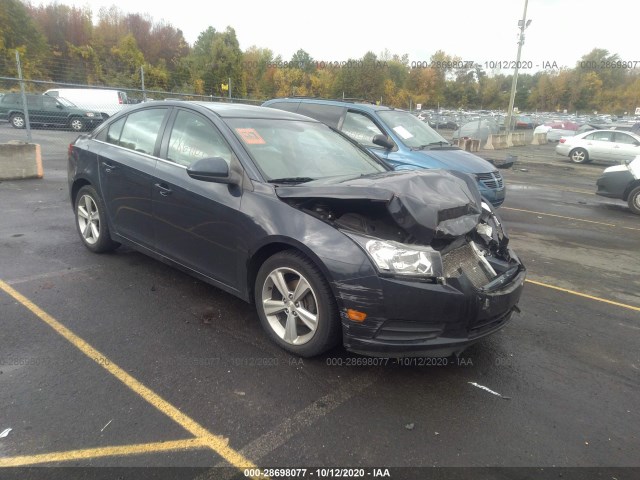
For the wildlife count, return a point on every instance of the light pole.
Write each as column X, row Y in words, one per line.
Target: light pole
column 523, row 24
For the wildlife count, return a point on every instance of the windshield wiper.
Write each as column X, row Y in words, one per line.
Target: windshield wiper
column 439, row 143
column 291, row 180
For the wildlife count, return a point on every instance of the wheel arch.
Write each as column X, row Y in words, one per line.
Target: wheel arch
column 629, row 189
column 277, row 245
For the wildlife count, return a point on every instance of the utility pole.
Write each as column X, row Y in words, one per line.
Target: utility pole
column 523, row 24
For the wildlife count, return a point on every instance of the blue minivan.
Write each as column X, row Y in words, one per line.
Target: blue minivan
column 398, row 138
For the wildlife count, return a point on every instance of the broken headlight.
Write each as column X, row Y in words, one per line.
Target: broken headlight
column 399, row 259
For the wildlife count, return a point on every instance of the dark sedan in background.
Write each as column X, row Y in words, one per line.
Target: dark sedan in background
column 281, row 210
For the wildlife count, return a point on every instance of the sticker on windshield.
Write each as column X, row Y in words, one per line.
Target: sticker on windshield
column 403, row 132
column 250, row 136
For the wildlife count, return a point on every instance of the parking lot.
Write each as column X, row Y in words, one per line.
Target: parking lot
column 119, row 360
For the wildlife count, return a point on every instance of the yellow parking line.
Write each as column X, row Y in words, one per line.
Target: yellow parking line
column 121, row 450
column 216, row 443
column 591, row 297
column 568, row 218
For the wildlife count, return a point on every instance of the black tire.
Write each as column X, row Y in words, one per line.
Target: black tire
column 77, row 124
column 634, row 200
column 579, row 155
column 17, row 120
column 318, row 302
column 91, row 221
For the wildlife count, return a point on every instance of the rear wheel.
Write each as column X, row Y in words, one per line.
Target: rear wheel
column 295, row 305
column 17, row 120
column 579, row 155
column 634, row 200
column 91, row 221
column 77, row 124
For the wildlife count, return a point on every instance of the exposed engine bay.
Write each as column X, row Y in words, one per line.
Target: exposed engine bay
column 426, row 212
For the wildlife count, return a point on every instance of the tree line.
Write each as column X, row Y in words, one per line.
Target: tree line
column 60, row 43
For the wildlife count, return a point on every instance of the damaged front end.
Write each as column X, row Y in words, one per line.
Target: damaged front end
column 446, row 276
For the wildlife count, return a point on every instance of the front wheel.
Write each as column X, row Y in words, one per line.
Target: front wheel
column 295, row 304
column 579, row 155
column 77, row 124
column 17, row 120
column 634, row 200
column 91, row 221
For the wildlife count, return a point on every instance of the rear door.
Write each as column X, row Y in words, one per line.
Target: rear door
column 127, row 161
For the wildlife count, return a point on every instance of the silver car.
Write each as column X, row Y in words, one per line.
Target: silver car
column 611, row 146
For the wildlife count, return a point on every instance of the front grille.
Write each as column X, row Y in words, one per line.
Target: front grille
column 465, row 260
column 491, row 180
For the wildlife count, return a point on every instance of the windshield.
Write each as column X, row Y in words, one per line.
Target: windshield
column 295, row 152
column 65, row 102
column 411, row 131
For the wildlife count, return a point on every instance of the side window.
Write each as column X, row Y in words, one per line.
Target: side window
column 34, row 101
column 361, row 128
column 141, row 130
column 193, row 137
column 112, row 134
column 49, row 103
column 624, row 138
column 601, row 136
column 11, row 99
column 327, row 114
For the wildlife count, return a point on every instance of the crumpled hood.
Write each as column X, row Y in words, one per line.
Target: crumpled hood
column 459, row 160
column 427, row 204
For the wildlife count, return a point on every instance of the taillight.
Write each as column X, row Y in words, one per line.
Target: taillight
column 562, row 140
column 70, row 149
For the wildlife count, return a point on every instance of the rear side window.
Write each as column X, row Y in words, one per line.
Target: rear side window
column 327, row 114
column 11, row 99
column 114, row 131
column 141, row 130
column 602, row 136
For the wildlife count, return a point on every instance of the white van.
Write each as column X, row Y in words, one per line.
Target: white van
column 107, row 102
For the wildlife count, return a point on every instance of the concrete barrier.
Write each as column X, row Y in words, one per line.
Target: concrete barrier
column 516, row 139
column 496, row 141
column 539, row 139
column 19, row 160
column 469, row 144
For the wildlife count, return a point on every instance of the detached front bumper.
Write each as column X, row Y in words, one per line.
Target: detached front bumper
column 409, row 318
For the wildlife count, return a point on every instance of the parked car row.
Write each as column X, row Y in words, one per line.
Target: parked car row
column 329, row 242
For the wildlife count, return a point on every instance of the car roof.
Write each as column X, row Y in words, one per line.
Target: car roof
column 357, row 104
column 232, row 110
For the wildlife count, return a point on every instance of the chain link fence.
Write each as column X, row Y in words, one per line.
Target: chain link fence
column 32, row 103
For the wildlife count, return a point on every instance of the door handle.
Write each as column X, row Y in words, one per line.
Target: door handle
column 164, row 189
column 108, row 167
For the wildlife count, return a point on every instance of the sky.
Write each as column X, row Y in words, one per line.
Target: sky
column 485, row 32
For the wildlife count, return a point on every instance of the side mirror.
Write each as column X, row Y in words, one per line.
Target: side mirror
column 59, row 106
column 213, row 169
column 383, row 141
